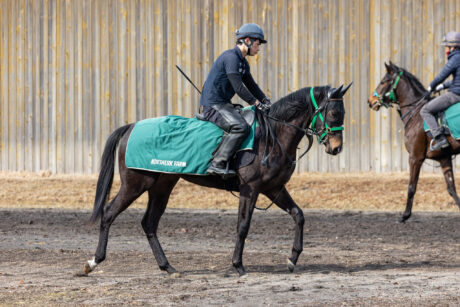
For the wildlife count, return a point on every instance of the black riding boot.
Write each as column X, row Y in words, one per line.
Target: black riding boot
column 441, row 142
column 221, row 162
column 231, row 121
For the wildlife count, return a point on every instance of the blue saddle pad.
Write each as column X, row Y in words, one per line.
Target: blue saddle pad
column 449, row 119
column 176, row 144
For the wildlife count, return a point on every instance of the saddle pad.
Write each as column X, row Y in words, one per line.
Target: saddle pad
column 176, row 144
column 450, row 119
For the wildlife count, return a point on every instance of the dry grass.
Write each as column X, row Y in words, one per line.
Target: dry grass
column 368, row 191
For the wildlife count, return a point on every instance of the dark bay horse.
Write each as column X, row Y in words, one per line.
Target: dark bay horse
column 399, row 87
column 293, row 113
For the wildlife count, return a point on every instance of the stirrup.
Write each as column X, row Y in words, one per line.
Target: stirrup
column 224, row 173
column 446, row 145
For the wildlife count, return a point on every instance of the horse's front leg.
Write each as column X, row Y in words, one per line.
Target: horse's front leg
column 283, row 200
column 248, row 198
column 415, row 165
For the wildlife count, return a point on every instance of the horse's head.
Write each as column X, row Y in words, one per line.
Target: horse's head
column 384, row 94
column 328, row 118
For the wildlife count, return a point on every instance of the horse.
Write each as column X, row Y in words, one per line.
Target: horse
column 402, row 89
column 289, row 119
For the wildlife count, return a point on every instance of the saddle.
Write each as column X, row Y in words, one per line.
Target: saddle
column 248, row 114
column 449, row 120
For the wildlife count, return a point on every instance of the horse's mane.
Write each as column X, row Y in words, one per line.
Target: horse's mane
column 297, row 102
column 420, row 89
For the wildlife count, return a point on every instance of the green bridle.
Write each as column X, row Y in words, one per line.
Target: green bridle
column 320, row 135
column 390, row 95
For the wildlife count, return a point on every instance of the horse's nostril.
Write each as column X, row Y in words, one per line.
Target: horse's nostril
column 337, row 150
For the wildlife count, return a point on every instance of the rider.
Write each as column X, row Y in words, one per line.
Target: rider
column 229, row 75
column 452, row 48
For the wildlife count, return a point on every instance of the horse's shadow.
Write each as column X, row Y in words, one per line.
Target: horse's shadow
column 281, row 269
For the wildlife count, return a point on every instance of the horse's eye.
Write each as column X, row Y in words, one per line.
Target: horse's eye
column 333, row 114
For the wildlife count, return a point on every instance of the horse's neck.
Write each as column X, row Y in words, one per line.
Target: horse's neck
column 408, row 98
column 290, row 137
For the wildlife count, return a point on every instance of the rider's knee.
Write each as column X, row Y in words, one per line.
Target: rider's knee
column 241, row 128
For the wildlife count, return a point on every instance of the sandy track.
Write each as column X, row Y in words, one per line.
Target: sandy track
column 350, row 257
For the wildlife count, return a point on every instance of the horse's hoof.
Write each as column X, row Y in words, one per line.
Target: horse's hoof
column 291, row 266
column 87, row 269
column 240, row 270
column 403, row 219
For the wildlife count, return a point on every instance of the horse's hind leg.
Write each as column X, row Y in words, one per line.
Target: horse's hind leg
column 446, row 165
column 124, row 198
column 158, row 199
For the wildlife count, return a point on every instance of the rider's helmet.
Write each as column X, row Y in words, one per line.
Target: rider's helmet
column 251, row 30
column 452, row 39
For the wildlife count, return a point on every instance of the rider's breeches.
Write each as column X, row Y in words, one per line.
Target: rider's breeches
column 229, row 119
column 435, row 106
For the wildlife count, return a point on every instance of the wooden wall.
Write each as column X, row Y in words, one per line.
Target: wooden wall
column 73, row 71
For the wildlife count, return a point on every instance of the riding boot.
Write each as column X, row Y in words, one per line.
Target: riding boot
column 221, row 162
column 229, row 119
column 441, row 142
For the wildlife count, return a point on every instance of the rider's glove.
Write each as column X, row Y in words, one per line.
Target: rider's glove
column 267, row 101
column 264, row 107
column 439, row 87
column 429, row 89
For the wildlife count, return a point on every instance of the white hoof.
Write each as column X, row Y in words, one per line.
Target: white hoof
column 290, row 265
column 89, row 266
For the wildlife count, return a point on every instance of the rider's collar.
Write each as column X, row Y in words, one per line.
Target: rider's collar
column 238, row 52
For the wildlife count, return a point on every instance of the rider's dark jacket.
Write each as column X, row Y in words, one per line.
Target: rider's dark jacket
column 227, row 76
column 452, row 68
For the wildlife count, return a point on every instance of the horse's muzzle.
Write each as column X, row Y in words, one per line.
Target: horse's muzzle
column 334, row 144
column 373, row 103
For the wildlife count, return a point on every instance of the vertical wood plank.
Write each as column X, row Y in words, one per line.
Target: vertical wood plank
column 69, row 76
column 21, row 87
column 96, row 82
column 4, row 86
column 79, row 123
column 104, row 100
column 36, row 103
column 52, row 98
column 60, row 86
column 28, row 116
column 87, row 103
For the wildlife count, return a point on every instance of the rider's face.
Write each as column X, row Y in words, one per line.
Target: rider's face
column 255, row 47
column 448, row 49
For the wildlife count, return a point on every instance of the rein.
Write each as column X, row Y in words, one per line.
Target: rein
column 412, row 112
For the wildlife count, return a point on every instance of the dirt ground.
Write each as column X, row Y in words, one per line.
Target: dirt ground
column 353, row 254
column 368, row 191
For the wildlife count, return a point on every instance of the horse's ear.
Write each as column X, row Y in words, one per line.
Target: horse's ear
column 394, row 67
column 345, row 89
column 388, row 67
column 334, row 92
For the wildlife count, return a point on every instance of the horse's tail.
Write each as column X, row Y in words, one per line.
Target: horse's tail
column 105, row 180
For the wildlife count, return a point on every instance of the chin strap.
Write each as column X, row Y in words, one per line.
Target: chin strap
column 247, row 45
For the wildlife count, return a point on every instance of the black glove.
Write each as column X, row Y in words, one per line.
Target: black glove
column 267, row 101
column 264, row 107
